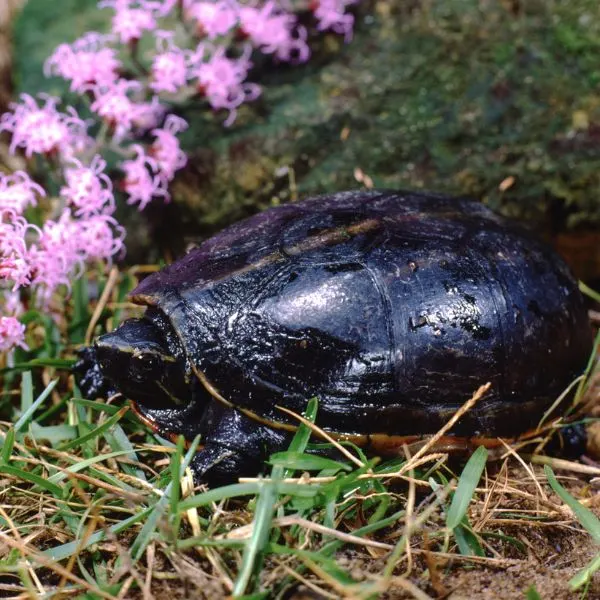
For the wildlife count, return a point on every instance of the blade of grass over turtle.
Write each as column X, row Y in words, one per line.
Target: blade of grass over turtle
column 302, row 435
column 33, row 406
column 467, row 483
column 97, row 406
column 585, row 516
column 306, row 462
column 176, row 460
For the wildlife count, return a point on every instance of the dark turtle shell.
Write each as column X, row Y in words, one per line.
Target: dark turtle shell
column 390, row 307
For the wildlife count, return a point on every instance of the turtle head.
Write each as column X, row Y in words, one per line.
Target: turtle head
column 144, row 363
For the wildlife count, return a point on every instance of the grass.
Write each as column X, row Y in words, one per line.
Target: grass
column 93, row 505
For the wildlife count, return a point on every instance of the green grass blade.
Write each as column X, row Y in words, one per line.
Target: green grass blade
column 82, row 465
column 94, row 433
column 306, row 462
column 584, row 515
column 583, row 577
column 26, row 391
column 176, row 460
column 59, row 363
column 7, row 446
column 98, row 406
column 592, row 361
column 532, row 594
column 466, row 487
column 66, row 550
column 28, row 413
column 147, row 532
column 54, row 489
column 234, row 490
column 588, row 291
column 118, row 440
column 300, row 439
column 302, row 435
column 253, row 554
column 466, row 540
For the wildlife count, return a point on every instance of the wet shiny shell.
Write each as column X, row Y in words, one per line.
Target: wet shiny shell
column 390, row 307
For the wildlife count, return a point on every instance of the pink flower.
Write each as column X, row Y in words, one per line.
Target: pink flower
column 275, row 32
column 101, row 237
column 57, row 255
column 214, row 18
column 130, row 23
column 114, row 105
column 162, row 7
column 165, row 150
column 14, row 256
column 142, row 181
column 12, row 333
column 86, row 61
column 169, row 67
column 331, row 14
column 221, row 80
column 148, row 114
column 44, row 130
column 18, row 191
column 12, row 303
column 88, row 189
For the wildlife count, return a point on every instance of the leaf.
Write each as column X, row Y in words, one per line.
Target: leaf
column 97, row 431
column 584, row 515
column 466, row 487
column 32, row 407
column 254, row 551
column 42, row 482
column 7, row 446
column 582, row 577
column 306, row 462
column 26, row 391
column 532, row 594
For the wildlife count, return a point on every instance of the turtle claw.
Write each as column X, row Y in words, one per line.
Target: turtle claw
column 90, row 379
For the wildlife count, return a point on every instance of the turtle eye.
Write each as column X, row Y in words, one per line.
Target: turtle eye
column 146, row 363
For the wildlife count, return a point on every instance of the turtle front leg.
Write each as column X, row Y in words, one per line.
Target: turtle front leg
column 234, row 446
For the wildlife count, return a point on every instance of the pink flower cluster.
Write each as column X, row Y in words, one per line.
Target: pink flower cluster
column 208, row 56
column 49, row 257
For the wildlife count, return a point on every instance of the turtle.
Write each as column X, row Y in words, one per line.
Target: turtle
column 390, row 307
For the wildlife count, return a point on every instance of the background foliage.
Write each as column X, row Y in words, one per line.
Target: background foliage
column 494, row 99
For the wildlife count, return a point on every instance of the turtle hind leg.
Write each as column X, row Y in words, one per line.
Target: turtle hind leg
column 234, row 446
